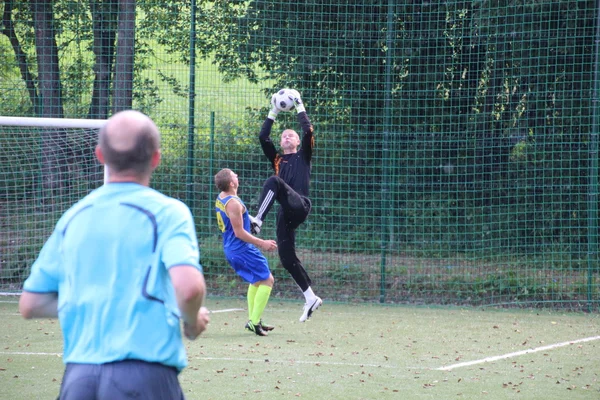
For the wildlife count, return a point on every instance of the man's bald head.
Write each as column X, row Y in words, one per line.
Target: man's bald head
column 128, row 141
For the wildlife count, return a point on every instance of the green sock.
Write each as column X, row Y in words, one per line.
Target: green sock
column 251, row 296
column 260, row 302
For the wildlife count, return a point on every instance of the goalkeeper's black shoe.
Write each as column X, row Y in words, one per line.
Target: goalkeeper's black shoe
column 258, row 329
column 266, row 327
column 255, row 225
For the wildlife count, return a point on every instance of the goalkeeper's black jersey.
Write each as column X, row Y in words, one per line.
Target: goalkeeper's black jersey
column 295, row 168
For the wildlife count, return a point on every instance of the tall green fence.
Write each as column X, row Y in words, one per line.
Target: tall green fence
column 456, row 156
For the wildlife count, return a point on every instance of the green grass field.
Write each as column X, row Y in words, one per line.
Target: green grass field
column 349, row 352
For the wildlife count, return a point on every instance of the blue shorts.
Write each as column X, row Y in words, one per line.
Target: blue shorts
column 250, row 264
column 128, row 379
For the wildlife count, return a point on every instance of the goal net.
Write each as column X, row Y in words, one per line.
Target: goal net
column 46, row 165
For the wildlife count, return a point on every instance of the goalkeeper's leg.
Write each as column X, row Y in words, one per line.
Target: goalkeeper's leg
column 286, row 246
column 276, row 189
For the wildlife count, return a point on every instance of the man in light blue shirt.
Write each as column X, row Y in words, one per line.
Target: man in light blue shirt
column 120, row 271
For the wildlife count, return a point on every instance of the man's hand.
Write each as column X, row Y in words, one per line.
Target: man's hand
column 295, row 97
column 274, row 110
column 268, row 245
column 193, row 331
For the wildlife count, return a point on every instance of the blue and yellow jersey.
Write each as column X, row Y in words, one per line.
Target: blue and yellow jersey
column 230, row 241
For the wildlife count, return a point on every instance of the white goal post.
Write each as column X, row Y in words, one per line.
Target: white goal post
column 46, row 164
column 52, row 122
column 66, row 123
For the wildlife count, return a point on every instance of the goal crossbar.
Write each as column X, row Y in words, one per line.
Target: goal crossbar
column 52, row 122
column 65, row 123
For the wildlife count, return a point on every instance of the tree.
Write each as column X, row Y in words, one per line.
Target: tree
column 49, row 82
column 104, row 27
column 123, row 81
column 50, row 104
column 45, row 85
column 8, row 29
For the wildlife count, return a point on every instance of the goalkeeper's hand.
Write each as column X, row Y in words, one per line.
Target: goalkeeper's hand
column 274, row 110
column 295, row 97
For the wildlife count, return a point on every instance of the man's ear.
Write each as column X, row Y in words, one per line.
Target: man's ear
column 99, row 155
column 155, row 161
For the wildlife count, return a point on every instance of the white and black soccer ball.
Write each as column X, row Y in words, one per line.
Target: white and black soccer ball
column 283, row 100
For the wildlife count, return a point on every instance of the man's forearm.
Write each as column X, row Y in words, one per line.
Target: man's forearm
column 305, row 123
column 190, row 290
column 189, row 308
column 265, row 130
column 38, row 305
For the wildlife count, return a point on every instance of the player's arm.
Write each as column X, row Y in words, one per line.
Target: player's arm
column 266, row 143
column 190, row 290
column 180, row 255
column 38, row 305
column 264, row 136
column 308, row 139
column 235, row 212
column 40, row 290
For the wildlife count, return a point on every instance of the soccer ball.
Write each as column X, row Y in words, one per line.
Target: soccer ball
column 282, row 100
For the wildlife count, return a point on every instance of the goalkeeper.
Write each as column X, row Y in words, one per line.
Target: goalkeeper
column 290, row 187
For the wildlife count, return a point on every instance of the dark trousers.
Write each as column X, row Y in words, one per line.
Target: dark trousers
column 293, row 211
column 128, row 379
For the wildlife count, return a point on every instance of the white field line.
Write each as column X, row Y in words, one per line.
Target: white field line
column 268, row 360
column 253, row 360
column 516, row 353
column 445, row 368
column 27, row 353
column 210, row 311
column 226, row 310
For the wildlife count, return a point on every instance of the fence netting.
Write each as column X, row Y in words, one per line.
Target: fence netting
column 456, row 143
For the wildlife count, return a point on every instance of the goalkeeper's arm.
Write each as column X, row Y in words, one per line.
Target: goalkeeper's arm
column 307, row 127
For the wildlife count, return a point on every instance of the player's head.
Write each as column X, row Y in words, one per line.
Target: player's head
column 129, row 144
column 226, row 179
column 289, row 141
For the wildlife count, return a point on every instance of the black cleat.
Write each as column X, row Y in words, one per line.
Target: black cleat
column 258, row 329
column 266, row 327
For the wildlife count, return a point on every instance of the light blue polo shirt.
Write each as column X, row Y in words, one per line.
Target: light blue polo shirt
column 108, row 259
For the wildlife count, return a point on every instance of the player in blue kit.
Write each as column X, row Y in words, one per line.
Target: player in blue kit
column 241, row 251
column 121, row 271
